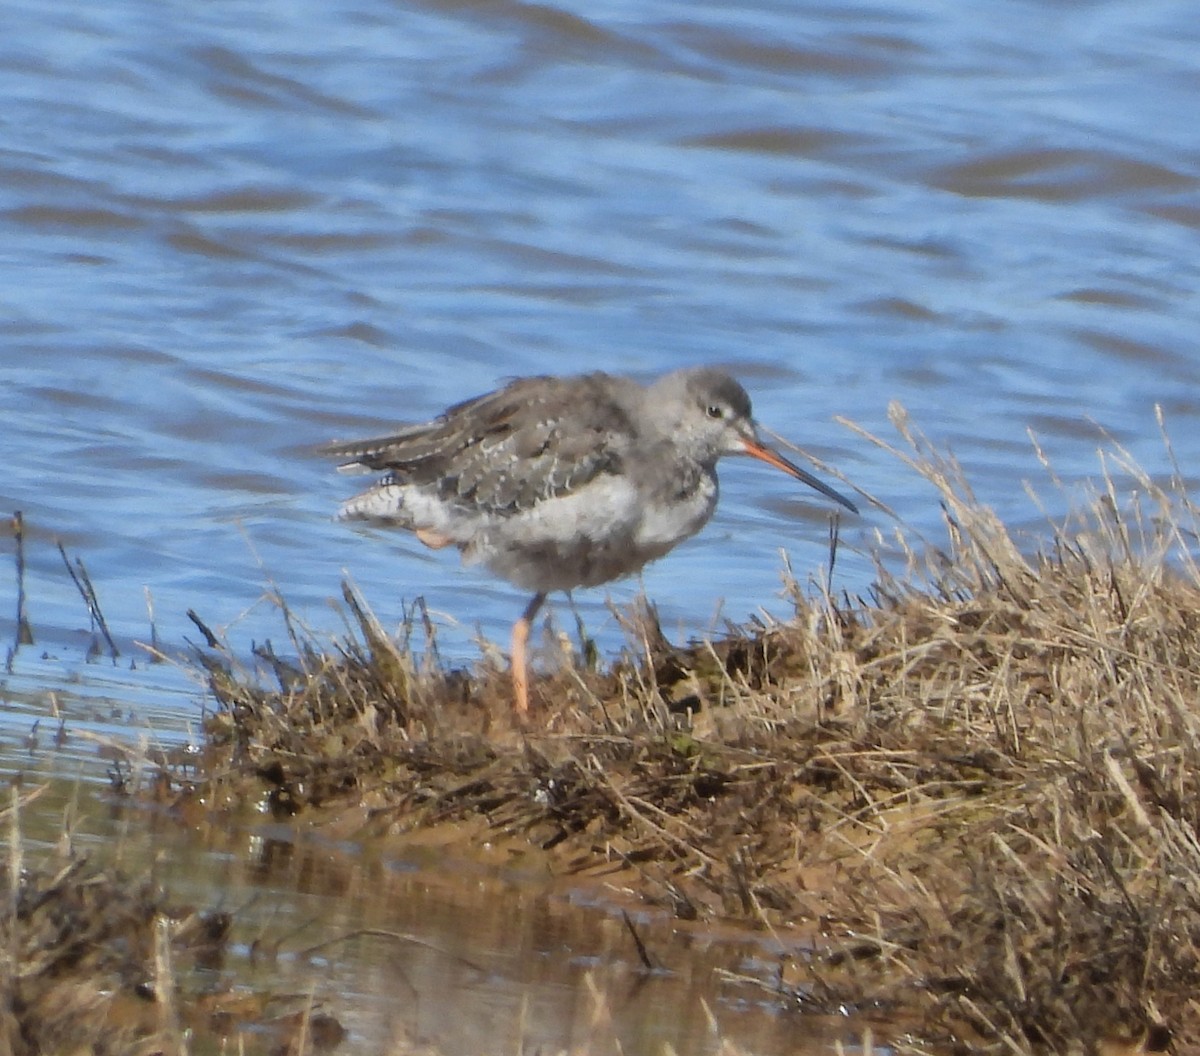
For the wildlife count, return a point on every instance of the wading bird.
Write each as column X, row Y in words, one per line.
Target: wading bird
column 563, row 482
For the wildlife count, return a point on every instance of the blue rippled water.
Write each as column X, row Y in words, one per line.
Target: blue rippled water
column 233, row 231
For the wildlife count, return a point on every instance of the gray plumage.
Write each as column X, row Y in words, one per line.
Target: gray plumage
column 561, row 482
column 556, row 483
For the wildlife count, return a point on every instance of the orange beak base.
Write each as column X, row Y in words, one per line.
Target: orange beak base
column 757, row 449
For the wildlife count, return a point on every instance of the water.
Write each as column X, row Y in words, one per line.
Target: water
column 229, row 232
column 444, row 940
column 233, row 232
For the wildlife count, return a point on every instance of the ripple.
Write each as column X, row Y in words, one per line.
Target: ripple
column 1055, row 175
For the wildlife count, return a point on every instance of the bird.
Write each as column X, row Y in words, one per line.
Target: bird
column 561, row 482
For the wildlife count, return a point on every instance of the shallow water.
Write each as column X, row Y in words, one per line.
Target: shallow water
column 233, row 231
column 426, row 945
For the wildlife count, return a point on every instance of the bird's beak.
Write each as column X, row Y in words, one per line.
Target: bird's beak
column 754, row 447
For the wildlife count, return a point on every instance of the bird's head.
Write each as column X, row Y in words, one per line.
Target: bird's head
column 707, row 413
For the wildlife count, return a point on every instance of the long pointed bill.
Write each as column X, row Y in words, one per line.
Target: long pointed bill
column 757, row 449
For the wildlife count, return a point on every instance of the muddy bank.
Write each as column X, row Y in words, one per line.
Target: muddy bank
column 96, row 960
column 974, row 791
column 965, row 805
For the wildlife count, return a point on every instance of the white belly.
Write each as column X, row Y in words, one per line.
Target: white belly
column 603, row 532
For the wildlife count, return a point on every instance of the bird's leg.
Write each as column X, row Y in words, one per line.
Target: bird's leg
column 433, row 540
column 520, row 669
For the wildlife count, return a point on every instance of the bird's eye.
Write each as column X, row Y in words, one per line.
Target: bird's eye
column 715, row 410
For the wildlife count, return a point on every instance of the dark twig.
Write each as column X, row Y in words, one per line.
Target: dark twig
column 210, row 639
column 83, row 584
column 643, row 953
column 24, row 630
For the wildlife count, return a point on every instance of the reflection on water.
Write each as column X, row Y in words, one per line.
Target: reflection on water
column 402, row 942
column 463, row 959
column 469, row 956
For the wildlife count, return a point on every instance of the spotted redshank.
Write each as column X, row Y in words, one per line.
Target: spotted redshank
column 556, row 483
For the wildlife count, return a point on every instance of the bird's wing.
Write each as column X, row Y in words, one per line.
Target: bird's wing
column 502, row 452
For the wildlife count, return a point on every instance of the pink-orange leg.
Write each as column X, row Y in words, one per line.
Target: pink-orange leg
column 520, row 663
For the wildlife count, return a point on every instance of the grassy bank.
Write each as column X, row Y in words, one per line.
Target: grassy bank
column 971, row 794
column 975, row 790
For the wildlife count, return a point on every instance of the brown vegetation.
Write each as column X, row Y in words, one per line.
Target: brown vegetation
column 976, row 791
column 92, row 962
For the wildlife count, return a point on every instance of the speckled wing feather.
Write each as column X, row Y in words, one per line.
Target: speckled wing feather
column 501, row 453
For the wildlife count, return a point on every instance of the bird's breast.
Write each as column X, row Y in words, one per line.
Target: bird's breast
column 608, row 529
column 668, row 517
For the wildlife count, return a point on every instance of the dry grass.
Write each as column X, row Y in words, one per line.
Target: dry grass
column 976, row 790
